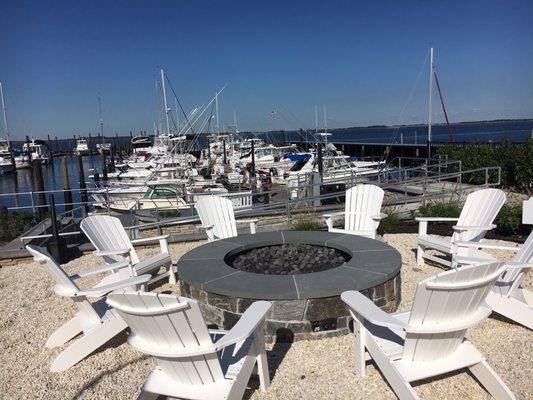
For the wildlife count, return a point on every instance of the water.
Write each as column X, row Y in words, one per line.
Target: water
column 517, row 131
column 53, row 180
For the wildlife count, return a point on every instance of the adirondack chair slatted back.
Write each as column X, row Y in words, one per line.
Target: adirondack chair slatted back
column 107, row 233
column 362, row 202
column 162, row 323
column 449, row 299
column 64, row 285
column 480, row 209
column 523, row 256
column 218, row 212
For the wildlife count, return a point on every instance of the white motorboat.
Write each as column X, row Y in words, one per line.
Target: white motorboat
column 141, row 143
column 6, row 160
column 105, row 146
column 38, row 150
column 82, row 147
column 22, row 159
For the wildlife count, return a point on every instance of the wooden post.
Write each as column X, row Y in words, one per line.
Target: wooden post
column 208, row 148
column 83, row 186
column 39, row 187
column 67, row 194
column 57, row 246
column 57, row 145
column 320, row 160
column 104, row 166
column 252, row 165
column 224, row 147
column 112, row 158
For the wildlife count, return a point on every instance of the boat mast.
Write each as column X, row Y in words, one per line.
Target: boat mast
column 235, row 122
column 325, row 127
column 216, row 106
column 430, row 93
column 5, row 117
column 177, row 115
column 165, row 99
column 101, row 120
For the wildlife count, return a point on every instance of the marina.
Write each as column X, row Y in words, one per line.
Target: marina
column 266, row 201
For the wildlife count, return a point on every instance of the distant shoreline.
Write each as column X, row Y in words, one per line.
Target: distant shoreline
column 505, row 120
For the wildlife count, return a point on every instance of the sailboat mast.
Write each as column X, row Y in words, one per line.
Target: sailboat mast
column 235, row 121
column 5, row 116
column 430, row 93
column 216, row 107
column 177, row 114
column 165, row 99
column 101, row 120
column 316, row 118
column 325, row 126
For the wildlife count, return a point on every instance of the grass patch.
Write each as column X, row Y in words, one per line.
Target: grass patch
column 447, row 209
column 392, row 220
column 306, row 224
column 509, row 220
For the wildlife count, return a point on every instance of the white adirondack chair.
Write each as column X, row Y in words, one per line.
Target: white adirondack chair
column 429, row 340
column 112, row 243
column 218, row 219
column 95, row 321
column 476, row 218
column 189, row 363
column 507, row 297
column 362, row 212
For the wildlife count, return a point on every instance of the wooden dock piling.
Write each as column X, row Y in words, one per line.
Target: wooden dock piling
column 67, row 194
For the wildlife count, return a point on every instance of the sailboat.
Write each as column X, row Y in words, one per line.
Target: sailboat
column 6, row 159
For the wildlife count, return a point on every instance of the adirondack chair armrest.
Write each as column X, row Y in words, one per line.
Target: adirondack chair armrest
column 465, row 260
column 517, row 265
column 462, row 228
column 478, row 245
column 252, row 222
column 150, row 239
column 209, row 232
column 118, row 252
column 379, row 216
column 162, row 241
column 335, row 214
column 246, row 326
column 364, row 307
column 436, row 219
column 105, row 289
column 100, row 269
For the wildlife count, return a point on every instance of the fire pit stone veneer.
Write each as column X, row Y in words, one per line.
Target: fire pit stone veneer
column 305, row 305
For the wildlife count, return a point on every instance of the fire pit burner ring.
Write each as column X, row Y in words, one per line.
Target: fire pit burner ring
column 288, row 259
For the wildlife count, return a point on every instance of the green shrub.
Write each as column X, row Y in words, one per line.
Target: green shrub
column 513, row 158
column 509, row 221
column 391, row 221
column 14, row 224
column 306, row 224
column 169, row 214
column 449, row 209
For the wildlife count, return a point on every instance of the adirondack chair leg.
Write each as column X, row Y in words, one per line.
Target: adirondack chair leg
column 329, row 223
column 420, row 256
column 171, row 275
column 262, row 363
column 512, row 309
column 210, row 234
column 253, row 227
column 89, row 342
column 491, row 381
column 66, row 332
column 422, row 230
column 359, row 341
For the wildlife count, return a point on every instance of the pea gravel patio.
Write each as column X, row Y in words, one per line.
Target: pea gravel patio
column 321, row 369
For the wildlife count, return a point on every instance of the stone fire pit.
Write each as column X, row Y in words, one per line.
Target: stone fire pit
column 301, row 273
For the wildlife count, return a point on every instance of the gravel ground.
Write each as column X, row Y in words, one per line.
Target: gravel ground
column 322, row 369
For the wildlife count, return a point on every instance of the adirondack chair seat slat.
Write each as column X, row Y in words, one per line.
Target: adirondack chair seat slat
column 436, row 242
column 153, row 263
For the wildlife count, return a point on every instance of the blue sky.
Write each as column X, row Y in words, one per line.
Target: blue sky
column 361, row 60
